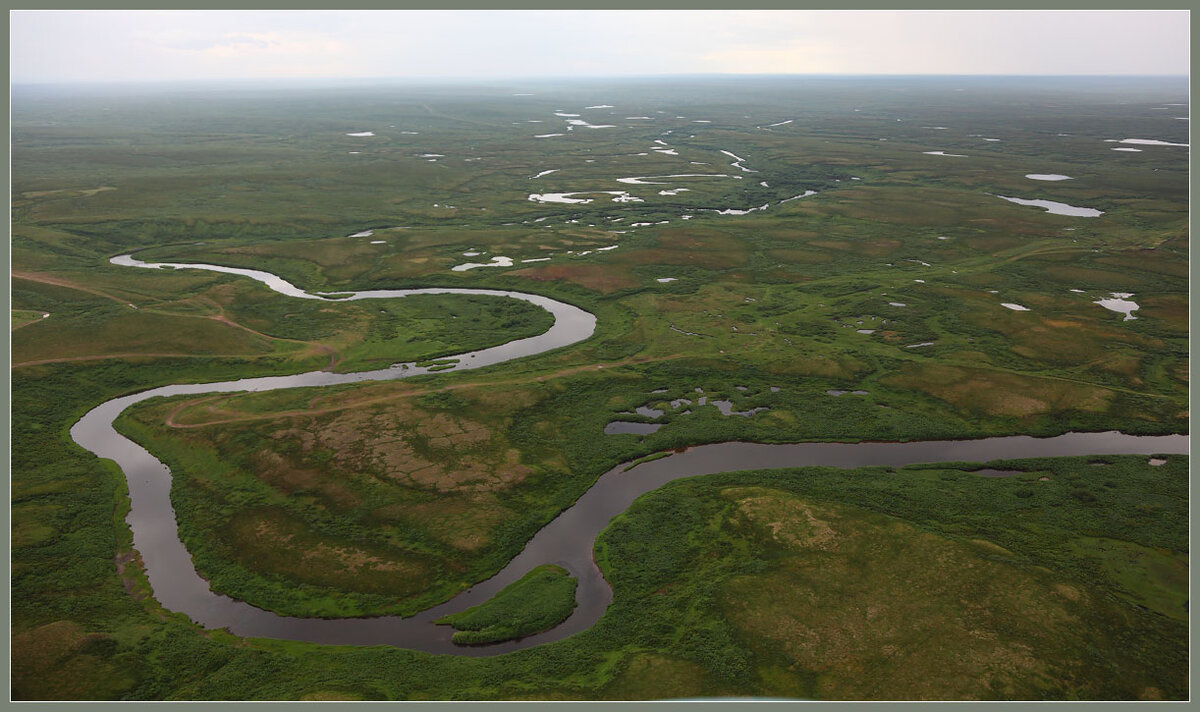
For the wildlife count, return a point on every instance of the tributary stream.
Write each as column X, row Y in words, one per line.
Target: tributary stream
column 566, row 541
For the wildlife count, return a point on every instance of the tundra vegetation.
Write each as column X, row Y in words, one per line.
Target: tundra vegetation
column 880, row 307
column 540, row 600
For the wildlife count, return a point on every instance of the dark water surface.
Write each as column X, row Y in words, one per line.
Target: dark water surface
column 566, row 541
column 626, row 427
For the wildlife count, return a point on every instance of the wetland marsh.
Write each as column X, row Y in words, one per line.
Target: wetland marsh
column 703, row 317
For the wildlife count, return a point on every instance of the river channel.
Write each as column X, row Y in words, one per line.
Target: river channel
column 566, row 541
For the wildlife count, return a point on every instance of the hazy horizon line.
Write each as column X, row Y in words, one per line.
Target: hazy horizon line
column 569, row 77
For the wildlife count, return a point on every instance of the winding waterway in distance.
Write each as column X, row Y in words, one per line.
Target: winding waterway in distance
column 567, row 540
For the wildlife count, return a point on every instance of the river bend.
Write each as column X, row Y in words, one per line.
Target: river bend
column 567, row 540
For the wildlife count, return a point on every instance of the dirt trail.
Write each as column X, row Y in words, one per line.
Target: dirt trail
column 222, row 317
column 171, row 422
column 27, row 323
column 334, row 357
column 60, row 282
column 100, row 357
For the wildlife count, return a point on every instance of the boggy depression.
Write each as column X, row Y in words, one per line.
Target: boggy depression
column 566, row 541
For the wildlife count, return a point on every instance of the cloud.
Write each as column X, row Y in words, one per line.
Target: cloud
column 271, row 53
column 156, row 45
column 955, row 42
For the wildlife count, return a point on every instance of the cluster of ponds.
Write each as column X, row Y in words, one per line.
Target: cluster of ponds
column 582, row 197
column 725, row 406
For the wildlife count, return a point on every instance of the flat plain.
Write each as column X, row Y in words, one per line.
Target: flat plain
column 769, row 260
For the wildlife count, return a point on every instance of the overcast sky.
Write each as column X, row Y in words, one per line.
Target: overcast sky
column 91, row 46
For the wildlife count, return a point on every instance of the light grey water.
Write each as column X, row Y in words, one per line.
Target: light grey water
column 627, row 427
column 567, row 540
column 1056, row 208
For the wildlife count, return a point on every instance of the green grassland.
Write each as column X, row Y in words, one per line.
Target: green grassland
column 539, row 600
column 379, row 498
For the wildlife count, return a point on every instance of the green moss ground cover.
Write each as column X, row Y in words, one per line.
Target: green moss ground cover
column 538, row 601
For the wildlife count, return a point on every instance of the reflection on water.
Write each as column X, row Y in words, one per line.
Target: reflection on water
column 1120, row 304
column 624, row 427
column 567, row 540
column 726, row 408
column 1055, row 208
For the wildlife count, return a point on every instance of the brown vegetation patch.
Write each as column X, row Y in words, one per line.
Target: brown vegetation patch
column 991, row 547
column 363, row 440
column 1052, row 339
column 697, row 238
column 282, row 472
column 1171, row 310
column 43, row 646
column 1151, row 694
column 1061, row 323
column 416, row 264
column 30, row 524
column 714, row 259
column 272, row 541
column 602, row 278
column 1077, row 276
column 397, row 441
column 464, row 522
column 124, row 561
column 448, row 432
column 307, row 439
column 1166, row 262
column 1069, row 345
column 980, row 391
column 52, row 662
column 800, row 256
column 875, row 247
column 330, row 696
column 1067, row 591
column 710, row 298
column 655, row 677
column 1125, row 364
column 351, row 558
column 789, row 521
column 893, row 612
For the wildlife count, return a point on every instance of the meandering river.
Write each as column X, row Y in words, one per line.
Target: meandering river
column 566, row 541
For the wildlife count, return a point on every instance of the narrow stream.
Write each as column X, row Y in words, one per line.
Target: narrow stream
column 566, row 541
